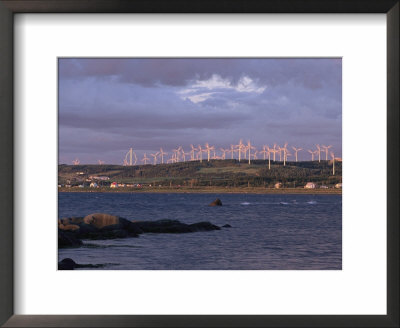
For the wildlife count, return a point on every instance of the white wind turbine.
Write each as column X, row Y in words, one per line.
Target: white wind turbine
column 176, row 154
column 250, row 147
column 312, row 154
column 270, row 150
column 279, row 150
column 319, row 153
column 263, row 151
column 284, row 149
column 145, row 159
column 333, row 163
column 192, row 152
column 239, row 148
column 162, row 153
column 274, row 151
column 208, row 148
column 184, row 155
column 326, row 150
column 232, row 150
column 223, row 152
column 200, row 153
column 296, row 150
column 154, row 157
column 130, row 155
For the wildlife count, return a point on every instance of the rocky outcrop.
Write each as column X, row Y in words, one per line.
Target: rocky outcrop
column 226, row 226
column 216, row 202
column 70, row 264
column 103, row 226
column 68, row 239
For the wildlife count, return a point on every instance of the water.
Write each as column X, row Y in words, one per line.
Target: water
column 269, row 232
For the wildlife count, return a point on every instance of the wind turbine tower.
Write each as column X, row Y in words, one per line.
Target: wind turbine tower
column 326, row 150
column 319, row 153
column 162, row 153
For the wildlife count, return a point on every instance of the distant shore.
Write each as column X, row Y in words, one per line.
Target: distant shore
column 210, row 190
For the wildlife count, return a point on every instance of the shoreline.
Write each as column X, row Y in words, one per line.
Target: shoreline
column 206, row 190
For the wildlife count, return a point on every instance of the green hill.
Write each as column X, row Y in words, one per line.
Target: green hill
column 213, row 173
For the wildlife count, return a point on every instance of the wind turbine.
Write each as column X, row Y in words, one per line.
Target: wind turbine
column 312, row 154
column 176, row 154
column 284, row 148
column 326, row 151
column 333, row 164
column 192, row 152
column 184, row 155
column 269, row 157
column 224, row 152
column 155, row 157
column 250, row 147
column 240, row 147
column 208, row 148
column 274, row 151
column 129, row 156
column 162, row 153
column 263, row 151
column 200, row 153
column 296, row 150
column 232, row 150
column 145, row 159
column 319, row 153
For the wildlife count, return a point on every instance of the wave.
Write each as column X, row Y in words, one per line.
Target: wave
column 312, row 202
column 245, row 203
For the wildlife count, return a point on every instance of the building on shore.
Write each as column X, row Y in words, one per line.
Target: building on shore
column 278, row 185
column 93, row 185
column 338, row 186
column 114, row 185
column 310, row 185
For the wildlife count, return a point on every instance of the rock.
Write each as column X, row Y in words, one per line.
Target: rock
column 69, row 227
column 226, row 226
column 100, row 226
column 203, row 226
column 216, row 202
column 68, row 239
column 173, row 226
column 70, row 264
column 100, row 220
column 67, row 264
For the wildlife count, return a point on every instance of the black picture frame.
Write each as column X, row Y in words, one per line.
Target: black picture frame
column 10, row 7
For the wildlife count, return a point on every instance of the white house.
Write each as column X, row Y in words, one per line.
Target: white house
column 310, row 185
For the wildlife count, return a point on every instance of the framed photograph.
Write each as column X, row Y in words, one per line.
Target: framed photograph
column 204, row 164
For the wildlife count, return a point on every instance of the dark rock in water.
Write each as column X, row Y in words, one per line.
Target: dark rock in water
column 100, row 226
column 226, row 226
column 70, row 264
column 203, row 226
column 68, row 239
column 67, row 264
column 173, row 226
column 216, row 202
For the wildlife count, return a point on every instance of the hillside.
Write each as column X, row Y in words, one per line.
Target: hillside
column 214, row 173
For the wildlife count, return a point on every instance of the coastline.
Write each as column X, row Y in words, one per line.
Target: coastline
column 207, row 190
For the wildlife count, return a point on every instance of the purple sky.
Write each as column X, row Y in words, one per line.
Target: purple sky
column 107, row 106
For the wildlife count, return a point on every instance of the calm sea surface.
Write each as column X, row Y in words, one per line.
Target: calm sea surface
column 269, row 232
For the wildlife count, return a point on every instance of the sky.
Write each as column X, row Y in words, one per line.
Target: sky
column 108, row 105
